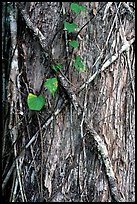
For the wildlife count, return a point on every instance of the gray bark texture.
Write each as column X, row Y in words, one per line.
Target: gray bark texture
column 81, row 146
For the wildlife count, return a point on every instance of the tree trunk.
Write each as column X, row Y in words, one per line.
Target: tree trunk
column 81, row 145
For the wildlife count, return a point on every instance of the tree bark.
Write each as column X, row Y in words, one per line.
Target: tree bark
column 81, row 146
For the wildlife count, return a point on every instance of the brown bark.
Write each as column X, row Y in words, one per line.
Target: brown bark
column 80, row 146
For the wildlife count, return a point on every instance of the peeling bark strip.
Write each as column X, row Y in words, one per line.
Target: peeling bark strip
column 100, row 143
column 14, row 97
column 112, row 59
column 101, row 146
column 49, row 120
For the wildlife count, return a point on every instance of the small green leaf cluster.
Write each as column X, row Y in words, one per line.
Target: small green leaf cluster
column 78, row 64
column 74, row 43
column 77, row 8
column 51, row 85
column 37, row 102
column 71, row 27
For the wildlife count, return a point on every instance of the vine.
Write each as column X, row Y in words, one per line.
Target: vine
column 37, row 102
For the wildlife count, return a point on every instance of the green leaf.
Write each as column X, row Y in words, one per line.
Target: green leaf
column 35, row 102
column 51, row 85
column 82, row 8
column 78, row 64
column 70, row 26
column 75, row 7
column 74, row 43
column 57, row 67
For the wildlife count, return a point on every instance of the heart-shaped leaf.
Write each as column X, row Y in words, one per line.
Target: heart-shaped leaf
column 35, row 102
column 78, row 64
column 70, row 26
column 77, row 8
column 51, row 85
column 74, row 43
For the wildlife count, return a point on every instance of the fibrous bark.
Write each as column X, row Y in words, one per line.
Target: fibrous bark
column 80, row 146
